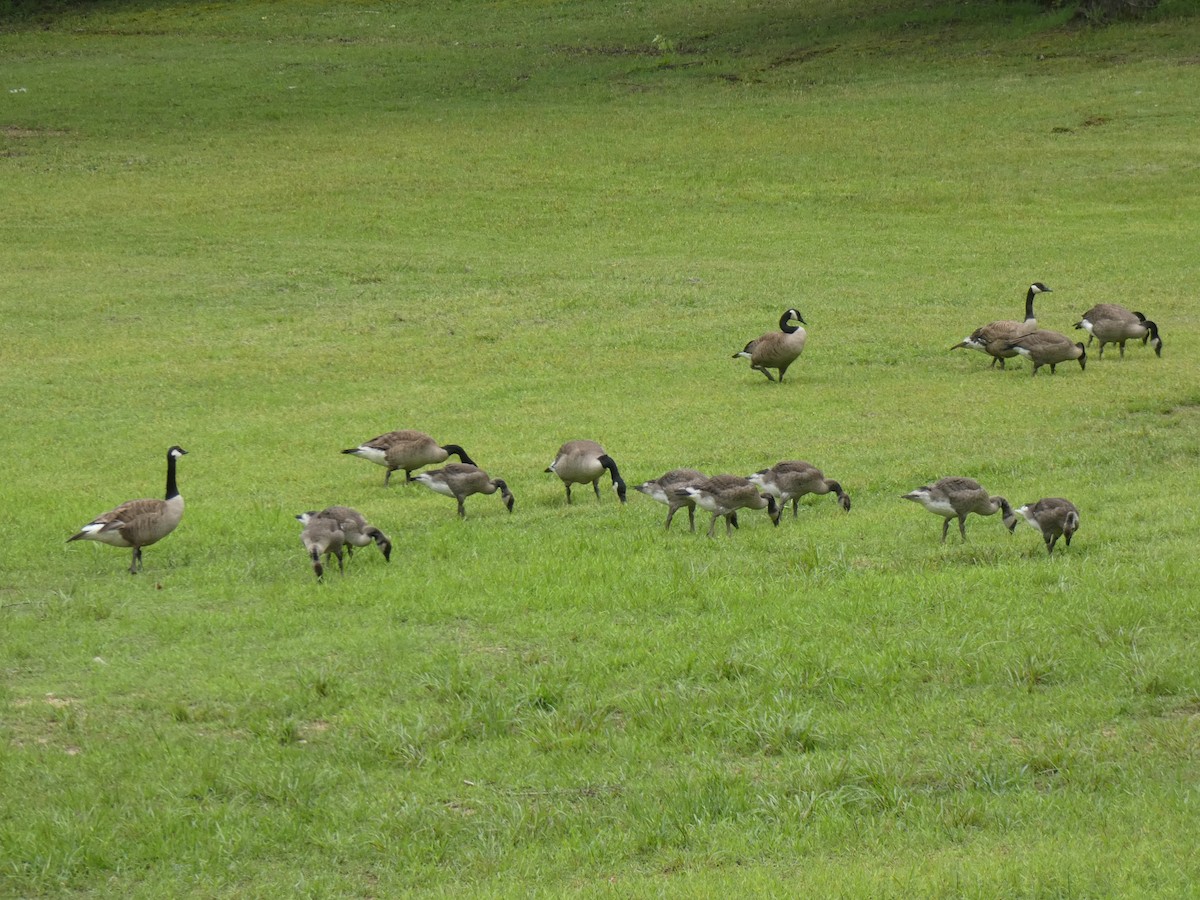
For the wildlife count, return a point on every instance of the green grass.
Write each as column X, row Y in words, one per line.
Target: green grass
column 268, row 231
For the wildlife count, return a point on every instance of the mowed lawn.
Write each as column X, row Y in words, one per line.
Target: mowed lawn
column 269, row 231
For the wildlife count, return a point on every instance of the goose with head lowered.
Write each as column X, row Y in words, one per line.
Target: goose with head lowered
column 665, row 489
column 777, row 349
column 407, row 450
column 1049, row 348
column 1113, row 324
column 724, row 495
column 583, row 462
column 792, row 479
column 1052, row 517
column 461, row 480
column 357, row 531
column 957, row 498
column 139, row 523
column 321, row 536
column 995, row 338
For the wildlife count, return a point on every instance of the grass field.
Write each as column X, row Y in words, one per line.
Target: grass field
column 268, row 231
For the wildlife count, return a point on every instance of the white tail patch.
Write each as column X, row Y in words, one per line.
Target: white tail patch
column 372, row 454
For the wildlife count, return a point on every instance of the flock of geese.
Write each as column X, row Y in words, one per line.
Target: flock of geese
column 337, row 530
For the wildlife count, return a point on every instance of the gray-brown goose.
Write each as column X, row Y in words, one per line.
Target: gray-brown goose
column 583, row 462
column 321, row 536
column 139, row 523
column 994, row 338
column 1049, row 348
column 357, row 531
column 1113, row 324
column 724, row 495
column 956, row 498
column 1053, row 517
column 792, row 479
column 665, row 489
column 407, row 450
column 461, row 480
column 777, row 349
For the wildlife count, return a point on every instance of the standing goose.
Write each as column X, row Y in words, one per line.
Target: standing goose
column 1054, row 517
column 461, row 480
column 994, row 339
column 583, row 462
column 406, row 450
column 357, row 531
column 322, row 536
column 792, row 479
column 777, row 349
column 139, row 523
column 1049, row 348
column 724, row 495
column 1114, row 324
column 953, row 498
column 666, row 489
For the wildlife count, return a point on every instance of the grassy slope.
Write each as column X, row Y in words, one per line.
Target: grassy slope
column 279, row 229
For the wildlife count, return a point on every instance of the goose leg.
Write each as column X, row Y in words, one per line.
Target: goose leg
column 568, row 487
column 1051, row 540
column 596, row 488
column 762, row 369
column 136, row 562
column 1122, row 346
column 795, row 507
column 341, row 564
column 408, row 475
column 387, row 477
column 962, row 527
column 713, row 524
column 728, row 527
column 670, row 515
column 692, row 519
column 462, row 510
column 945, row 528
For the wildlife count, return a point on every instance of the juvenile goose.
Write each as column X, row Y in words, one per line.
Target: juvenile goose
column 1114, row 324
column 406, row 450
column 724, row 495
column 321, row 536
column 1049, row 348
column 994, row 338
column 1054, row 517
column 665, row 489
column 357, row 531
column 583, row 462
column 792, row 479
column 777, row 349
column 461, row 480
column 139, row 523
column 953, row 498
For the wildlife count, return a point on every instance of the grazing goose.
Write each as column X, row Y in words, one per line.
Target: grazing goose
column 957, row 498
column 139, row 523
column 357, row 531
column 461, row 480
column 1054, row 517
column 1049, row 348
column 665, row 489
column 406, row 450
column 792, row 479
column 994, row 339
column 322, row 536
column 583, row 462
column 724, row 495
column 1114, row 324
column 777, row 349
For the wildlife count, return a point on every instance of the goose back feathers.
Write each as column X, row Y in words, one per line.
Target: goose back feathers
column 461, row 480
column 407, row 450
column 1050, row 348
column 956, row 498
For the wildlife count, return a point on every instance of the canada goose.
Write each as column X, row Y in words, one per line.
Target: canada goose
column 724, row 495
column 139, row 523
column 357, row 531
column 581, row 462
column 407, row 450
column 1114, row 324
column 321, row 536
column 777, row 349
column 461, row 480
column 1054, row 517
column 665, row 489
column 957, row 498
column 1049, row 348
column 792, row 479
column 994, row 339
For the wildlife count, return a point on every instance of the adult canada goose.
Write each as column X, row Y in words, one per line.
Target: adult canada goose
column 792, row 479
column 777, row 349
column 666, row 489
column 1113, row 324
column 994, row 338
column 724, row 495
column 461, row 480
column 139, row 523
column 583, row 462
column 321, row 536
column 357, row 531
column 407, row 450
column 1054, row 517
column 957, row 498
column 1049, row 348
